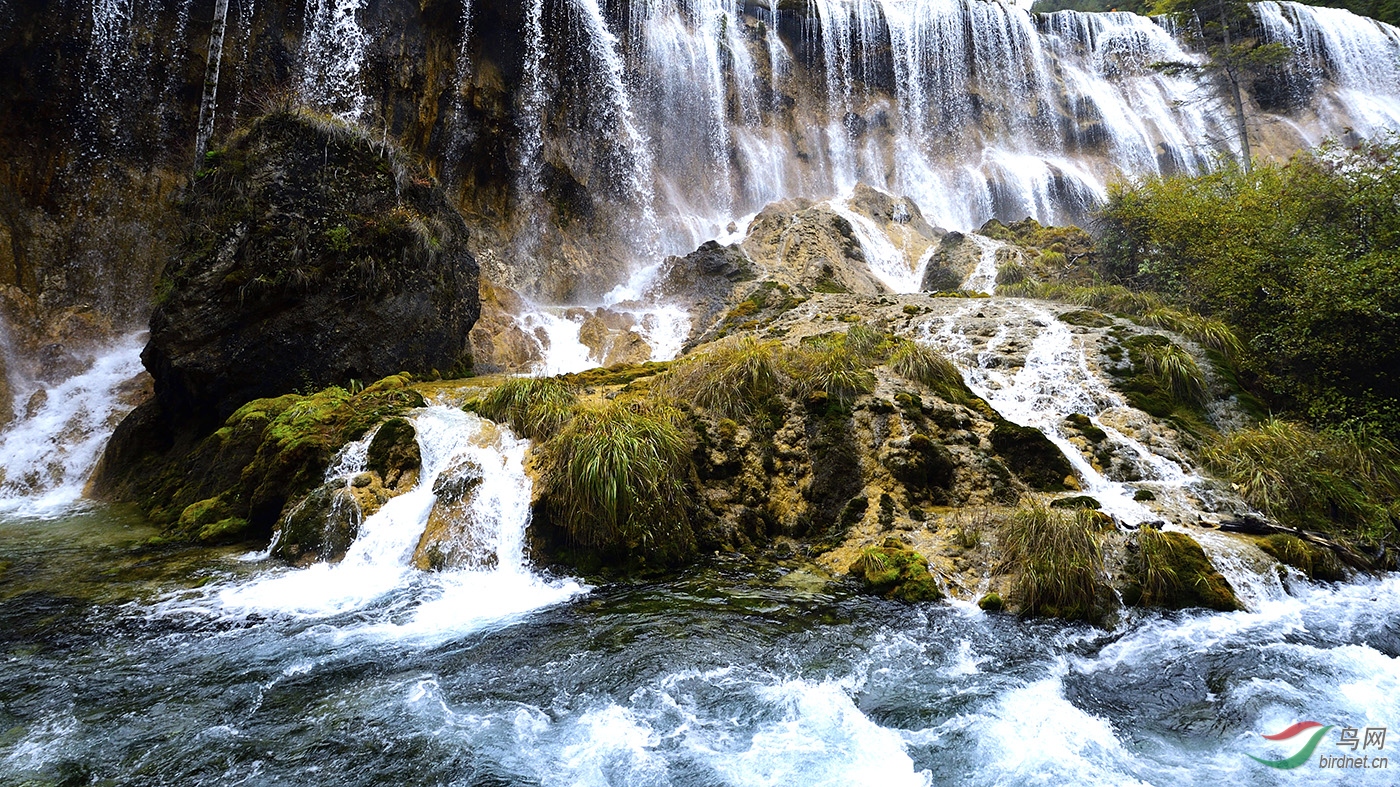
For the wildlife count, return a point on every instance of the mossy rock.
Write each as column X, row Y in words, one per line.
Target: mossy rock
column 618, row 374
column 1317, row 562
column 895, row 571
column 992, row 602
column 1081, row 423
column 1031, row 456
column 268, row 453
column 1087, row 318
column 1144, row 495
column 1076, row 501
column 394, row 451
column 320, row 527
column 210, row 521
column 920, row 464
column 1170, row 570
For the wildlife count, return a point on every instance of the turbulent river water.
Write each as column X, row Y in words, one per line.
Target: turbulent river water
column 126, row 662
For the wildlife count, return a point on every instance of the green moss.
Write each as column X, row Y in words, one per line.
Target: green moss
column 1086, row 317
column 619, row 374
column 1076, row 501
column 267, row 453
column 1081, row 423
column 1171, row 570
column 1031, row 456
column 1315, row 561
column 991, row 603
column 895, row 571
column 1143, row 495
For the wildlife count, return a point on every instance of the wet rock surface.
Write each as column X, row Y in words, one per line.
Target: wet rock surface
column 314, row 257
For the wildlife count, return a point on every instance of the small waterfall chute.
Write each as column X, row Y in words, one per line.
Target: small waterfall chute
column 60, row 430
column 377, row 571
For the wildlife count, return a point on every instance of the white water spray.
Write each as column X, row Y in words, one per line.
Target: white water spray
column 377, row 570
column 50, row 449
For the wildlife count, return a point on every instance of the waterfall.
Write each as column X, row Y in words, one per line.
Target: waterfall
column 1360, row 56
column 59, row 431
column 333, row 51
column 984, row 277
column 461, row 73
column 973, row 109
column 378, row 565
column 1057, row 380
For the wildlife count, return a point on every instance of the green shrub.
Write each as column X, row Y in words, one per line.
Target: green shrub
column 615, row 478
column 1301, row 260
column 1057, row 557
column 533, row 406
column 895, row 571
column 1342, row 481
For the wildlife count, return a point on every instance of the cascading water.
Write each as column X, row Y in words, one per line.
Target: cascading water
column 984, row 277
column 333, row 52
column 378, row 568
column 1057, row 380
column 59, row 431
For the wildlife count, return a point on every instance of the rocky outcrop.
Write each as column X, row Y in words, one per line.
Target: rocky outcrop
column 238, row 482
column 314, row 257
column 801, row 243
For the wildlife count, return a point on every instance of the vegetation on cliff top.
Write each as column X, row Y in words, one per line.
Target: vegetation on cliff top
column 1301, row 260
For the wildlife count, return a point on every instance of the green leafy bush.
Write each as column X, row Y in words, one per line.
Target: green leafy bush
column 1300, row 260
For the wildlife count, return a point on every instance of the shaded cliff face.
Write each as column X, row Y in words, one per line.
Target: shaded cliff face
column 313, row 257
column 584, row 138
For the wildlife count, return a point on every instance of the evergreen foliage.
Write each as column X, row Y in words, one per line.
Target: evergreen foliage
column 1301, row 260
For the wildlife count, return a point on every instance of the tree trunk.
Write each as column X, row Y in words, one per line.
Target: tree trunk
column 211, row 83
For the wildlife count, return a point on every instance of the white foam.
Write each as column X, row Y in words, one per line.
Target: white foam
column 377, row 570
column 46, row 457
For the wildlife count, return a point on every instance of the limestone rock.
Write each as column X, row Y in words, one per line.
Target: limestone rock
column 808, row 244
column 952, row 262
column 451, row 538
column 314, row 257
column 498, row 343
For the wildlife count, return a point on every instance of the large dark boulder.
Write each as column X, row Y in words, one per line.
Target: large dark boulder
column 314, row 256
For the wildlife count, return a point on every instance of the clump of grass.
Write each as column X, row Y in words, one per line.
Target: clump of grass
column 913, row 361
column 836, row 370
column 615, row 478
column 1058, row 559
column 1177, row 372
column 1209, row 332
column 1010, row 272
column 1341, row 481
column 867, row 343
column 968, row 527
column 732, row 378
column 535, row 407
column 1157, row 571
